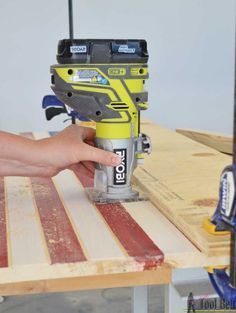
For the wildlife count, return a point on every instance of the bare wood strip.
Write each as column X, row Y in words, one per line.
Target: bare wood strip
column 24, row 231
column 3, row 227
column 161, row 275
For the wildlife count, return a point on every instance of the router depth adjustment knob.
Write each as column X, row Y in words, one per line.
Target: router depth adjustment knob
column 143, row 144
column 146, row 144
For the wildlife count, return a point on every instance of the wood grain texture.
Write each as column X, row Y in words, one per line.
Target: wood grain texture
column 161, row 275
column 26, row 242
column 181, row 177
column 220, row 142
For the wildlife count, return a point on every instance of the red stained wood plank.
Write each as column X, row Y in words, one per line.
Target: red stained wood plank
column 63, row 244
column 132, row 237
column 3, row 227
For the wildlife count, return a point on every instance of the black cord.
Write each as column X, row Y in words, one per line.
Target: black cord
column 71, row 26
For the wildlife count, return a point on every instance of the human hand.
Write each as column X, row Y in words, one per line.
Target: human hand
column 21, row 156
column 74, row 145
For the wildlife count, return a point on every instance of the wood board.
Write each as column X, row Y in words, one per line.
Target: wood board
column 220, row 142
column 181, row 177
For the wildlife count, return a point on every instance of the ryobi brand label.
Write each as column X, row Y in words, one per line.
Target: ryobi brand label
column 78, row 49
column 120, row 170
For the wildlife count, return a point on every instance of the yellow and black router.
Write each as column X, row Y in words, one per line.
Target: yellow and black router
column 103, row 80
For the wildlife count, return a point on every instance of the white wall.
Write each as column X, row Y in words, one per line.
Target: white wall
column 191, row 47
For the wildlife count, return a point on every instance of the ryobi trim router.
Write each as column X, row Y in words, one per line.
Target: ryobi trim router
column 103, row 80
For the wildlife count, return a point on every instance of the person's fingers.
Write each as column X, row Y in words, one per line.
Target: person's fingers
column 88, row 134
column 86, row 172
column 99, row 156
column 89, row 165
column 89, row 142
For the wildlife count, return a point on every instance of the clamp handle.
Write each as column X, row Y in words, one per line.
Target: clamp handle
column 221, row 282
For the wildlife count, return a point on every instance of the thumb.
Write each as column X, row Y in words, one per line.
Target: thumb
column 108, row 158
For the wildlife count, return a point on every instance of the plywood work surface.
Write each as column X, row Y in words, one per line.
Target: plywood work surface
column 220, row 142
column 181, row 177
column 52, row 238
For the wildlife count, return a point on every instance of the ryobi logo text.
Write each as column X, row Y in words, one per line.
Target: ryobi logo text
column 120, row 171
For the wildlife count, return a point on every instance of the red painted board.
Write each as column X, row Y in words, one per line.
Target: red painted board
column 132, row 237
column 62, row 242
column 83, row 178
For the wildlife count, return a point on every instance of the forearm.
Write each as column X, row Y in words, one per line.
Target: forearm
column 18, row 155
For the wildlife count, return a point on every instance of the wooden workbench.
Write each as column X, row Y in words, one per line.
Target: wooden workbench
column 52, row 238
